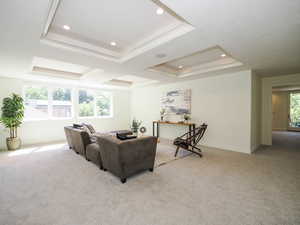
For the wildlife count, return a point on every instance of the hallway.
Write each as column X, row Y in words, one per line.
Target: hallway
column 286, row 140
column 286, row 145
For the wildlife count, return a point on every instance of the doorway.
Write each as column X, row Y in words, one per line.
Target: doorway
column 289, row 83
column 286, row 117
column 294, row 111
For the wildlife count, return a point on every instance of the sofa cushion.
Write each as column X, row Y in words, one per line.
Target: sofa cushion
column 89, row 127
column 93, row 153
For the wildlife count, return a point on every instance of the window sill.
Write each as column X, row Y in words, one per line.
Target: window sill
column 52, row 119
column 96, row 117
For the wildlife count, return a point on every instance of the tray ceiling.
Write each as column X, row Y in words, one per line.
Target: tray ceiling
column 208, row 60
column 50, row 68
column 130, row 81
column 109, row 28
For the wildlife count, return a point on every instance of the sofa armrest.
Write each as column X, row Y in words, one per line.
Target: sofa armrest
column 80, row 140
column 136, row 150
column 109, row 151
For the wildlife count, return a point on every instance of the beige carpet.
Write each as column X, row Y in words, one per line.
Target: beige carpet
column 165, row 154
column 54, row 186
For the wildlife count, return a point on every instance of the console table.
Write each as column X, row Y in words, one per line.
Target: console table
column 191, row 126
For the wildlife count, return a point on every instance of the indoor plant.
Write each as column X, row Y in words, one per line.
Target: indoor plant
column 162, row 114
column 135, row 125
column 12, row 117
column 186, row 117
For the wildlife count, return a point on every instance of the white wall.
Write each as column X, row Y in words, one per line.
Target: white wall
column 223, row 102
column 33, row 132
column 280, row 110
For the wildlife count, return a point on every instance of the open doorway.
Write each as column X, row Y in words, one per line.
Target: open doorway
column 286, row 116
column 294, row 111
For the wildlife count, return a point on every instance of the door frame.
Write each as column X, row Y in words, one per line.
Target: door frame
column 266, row 104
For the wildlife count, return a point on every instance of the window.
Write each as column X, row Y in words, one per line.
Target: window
column 103, row 104
column 36, row 103
column 86, row 103
column 93, row 104
column 62, row 104
column 56, row 102
column 45, row 103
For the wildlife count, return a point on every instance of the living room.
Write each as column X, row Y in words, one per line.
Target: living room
column 149, row 112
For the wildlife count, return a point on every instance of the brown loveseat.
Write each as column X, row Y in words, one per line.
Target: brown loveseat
column 126, row 158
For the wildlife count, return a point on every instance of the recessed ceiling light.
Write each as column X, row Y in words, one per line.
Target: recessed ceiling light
column 223, row 55
column 180, row 67
column 113, row 43
column 159, row 11
column 66, row 27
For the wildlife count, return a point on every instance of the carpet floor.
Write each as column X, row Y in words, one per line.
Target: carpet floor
column 51, row 185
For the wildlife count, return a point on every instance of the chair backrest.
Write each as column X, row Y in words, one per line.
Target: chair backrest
column 200, row 132
column 195, row 135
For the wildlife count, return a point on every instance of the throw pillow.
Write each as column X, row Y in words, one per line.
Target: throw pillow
column 90, row 128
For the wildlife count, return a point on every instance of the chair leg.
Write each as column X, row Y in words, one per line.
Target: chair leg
column 196, row 152
column 176, row 151
column 123, row 180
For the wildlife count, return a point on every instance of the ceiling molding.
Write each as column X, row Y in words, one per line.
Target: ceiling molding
column 162, row 36
column 52, row 10
column 55, row 73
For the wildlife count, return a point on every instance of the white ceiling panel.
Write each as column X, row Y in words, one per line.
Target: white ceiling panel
column 110, row 20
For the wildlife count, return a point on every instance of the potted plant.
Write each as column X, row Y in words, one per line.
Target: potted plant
column 135, row 125
column 186, row 117
column 162, row 114
column 12, row 117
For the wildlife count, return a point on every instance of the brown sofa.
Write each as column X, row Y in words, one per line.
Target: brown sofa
column 126, row 158
column 121, row 158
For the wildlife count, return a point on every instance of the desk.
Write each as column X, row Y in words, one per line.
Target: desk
column 191, row 126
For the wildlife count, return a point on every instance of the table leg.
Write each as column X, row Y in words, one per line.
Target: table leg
column 153, row 127
column 194, row 127
column 157, row 131
column 190, row 131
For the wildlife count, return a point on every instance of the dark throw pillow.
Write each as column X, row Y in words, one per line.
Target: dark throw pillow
column 77, row 126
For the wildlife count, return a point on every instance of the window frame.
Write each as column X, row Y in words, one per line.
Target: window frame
column 50, row 90
column 94, row 94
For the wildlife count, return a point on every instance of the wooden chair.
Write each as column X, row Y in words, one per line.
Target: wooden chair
column 189, row 140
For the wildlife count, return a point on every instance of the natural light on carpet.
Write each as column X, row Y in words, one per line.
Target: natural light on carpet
column 26, row 151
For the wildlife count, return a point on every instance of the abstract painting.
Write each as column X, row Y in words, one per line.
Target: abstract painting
column 177, row 102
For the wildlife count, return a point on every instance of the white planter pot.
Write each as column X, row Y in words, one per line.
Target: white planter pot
column 13, row 143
